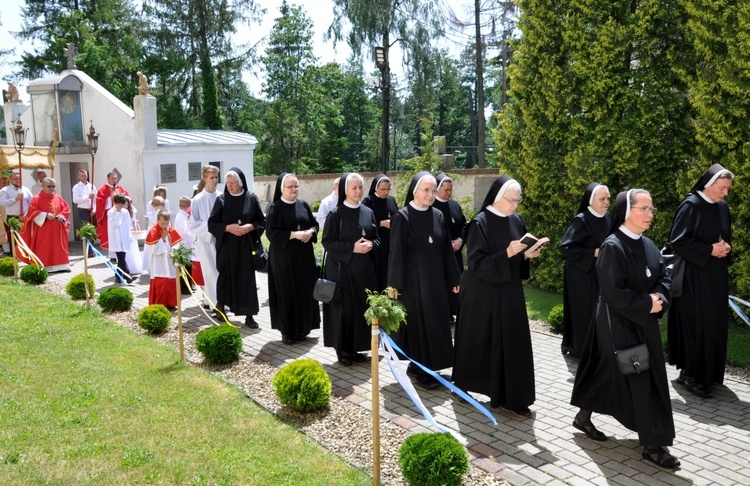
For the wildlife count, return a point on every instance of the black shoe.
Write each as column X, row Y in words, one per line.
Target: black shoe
column 287, row 340
column 459, row 398
column 427, row 382
column 588, row 428
column 344, row 359
column 660, row 457
column 413, row 370
column 250, row 322
column 523, row 412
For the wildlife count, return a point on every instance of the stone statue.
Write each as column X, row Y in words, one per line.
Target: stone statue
column 12, row 94
column 142, row 84
column 71, row 51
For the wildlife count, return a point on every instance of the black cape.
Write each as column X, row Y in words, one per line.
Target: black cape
column 628, row 270
column 422, row 267
column 699, row 319
column 584, row 235
column 493, row 342
column 292, row 270
column 456, row 223
column 236, row 283
column 383, row 209
column 344, row 326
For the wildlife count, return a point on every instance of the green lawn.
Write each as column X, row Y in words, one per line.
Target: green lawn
column 85, row 401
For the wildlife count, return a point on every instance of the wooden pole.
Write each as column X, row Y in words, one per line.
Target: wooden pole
column 86, row 273
column 374, row 362
column 178, row 275
column 14, row 251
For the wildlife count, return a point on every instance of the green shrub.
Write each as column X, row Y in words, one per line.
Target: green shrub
column 154, row 318
column 219, row 344
column 315, row 206
column 76, row 288
column 432, row 458
column 6, row 266
column 303, row 385
column 115, row 299
column 555, row 319
column 34, row 274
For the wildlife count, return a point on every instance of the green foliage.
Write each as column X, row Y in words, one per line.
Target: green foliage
column 87, row 231
column 115, row 299
column 154, row 318
column 14, row 223
column 555, row 319
column 303, row 385
column 219, row 344
column 315, row 206
column 611, row 109
column 432, row 458
column 428, row 161
column 6, row 267
column 34, row 274
column 76, row 287
column 390, row 312
column 182, row 255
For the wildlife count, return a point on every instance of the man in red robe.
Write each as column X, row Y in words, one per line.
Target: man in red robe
column 45, row 228
column 103, row 203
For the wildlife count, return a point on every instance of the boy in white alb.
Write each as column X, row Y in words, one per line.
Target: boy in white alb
column 118, row 229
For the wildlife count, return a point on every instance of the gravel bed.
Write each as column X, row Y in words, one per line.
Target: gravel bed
column 344, row 428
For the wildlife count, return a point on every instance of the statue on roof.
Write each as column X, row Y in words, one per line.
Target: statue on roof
column 71, row 51
column 142, row 84
column 12, row 93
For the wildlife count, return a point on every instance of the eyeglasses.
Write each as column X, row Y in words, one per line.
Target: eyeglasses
column 645, row 210
column 427, row 190
column 292, row 187
column 51, row 187
column 513, row 200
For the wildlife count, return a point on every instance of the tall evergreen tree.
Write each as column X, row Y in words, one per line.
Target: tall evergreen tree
column 598, row 97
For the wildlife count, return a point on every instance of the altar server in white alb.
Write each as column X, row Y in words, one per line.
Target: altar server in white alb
column 204, row 242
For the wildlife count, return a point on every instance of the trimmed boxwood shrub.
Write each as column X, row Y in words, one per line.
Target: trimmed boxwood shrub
column 76, row 288
column 432, row 458
column 154, row 318
column 555, row 318
column 115, row 299
column 6, row 266
column 34, row 274
column 219, row 344
column 303, row 385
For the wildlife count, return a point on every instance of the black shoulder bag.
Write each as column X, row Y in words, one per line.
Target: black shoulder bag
column 630, row 360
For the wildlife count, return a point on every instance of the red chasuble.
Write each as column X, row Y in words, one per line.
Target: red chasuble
column 50, row 240
column 102, row 196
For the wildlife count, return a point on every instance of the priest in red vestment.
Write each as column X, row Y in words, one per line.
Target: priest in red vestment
column 161, row 239
column 45, row 228
column 103, row 203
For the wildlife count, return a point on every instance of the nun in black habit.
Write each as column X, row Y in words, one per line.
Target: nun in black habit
column 292, row 229
column 634, row 294
column 699, row 319
column 580, row 249
column 493, row 341
column 456, row 222
column 384, row 206
column 422, row 269
column 349, row 237
column 236, row 222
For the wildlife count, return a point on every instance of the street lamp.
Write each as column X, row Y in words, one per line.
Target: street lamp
column 93, row 147
column 381, row 61
column 19, row 142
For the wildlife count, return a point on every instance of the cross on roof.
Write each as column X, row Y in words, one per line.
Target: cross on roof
column 70, row 52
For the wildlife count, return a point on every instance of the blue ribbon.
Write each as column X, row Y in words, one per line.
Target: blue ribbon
column 118, row 273
column 481, row 408
column 737, row 309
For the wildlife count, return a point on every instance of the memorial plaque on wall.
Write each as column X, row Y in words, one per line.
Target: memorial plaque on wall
column 194, row 171
column 168, row 173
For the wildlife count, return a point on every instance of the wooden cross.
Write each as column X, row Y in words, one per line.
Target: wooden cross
column 71, row 52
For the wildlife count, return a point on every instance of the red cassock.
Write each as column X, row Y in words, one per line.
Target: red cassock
column 102, row 196
column 162, row 287
column 49, row 241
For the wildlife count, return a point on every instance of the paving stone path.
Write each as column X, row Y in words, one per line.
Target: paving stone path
column 713, row 435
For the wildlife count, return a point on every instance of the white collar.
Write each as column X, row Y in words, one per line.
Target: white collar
column 591, row 210
column 287, row 201
column 441, row 200
column 629, row 233
column 418, row 208
column 352, row 206
column 705, row 198
column 496, row 212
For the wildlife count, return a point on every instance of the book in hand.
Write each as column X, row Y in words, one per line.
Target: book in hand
column 533, row 243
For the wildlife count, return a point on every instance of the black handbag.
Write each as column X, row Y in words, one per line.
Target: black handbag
column 324, row 290
column 259, row 255
column 631, row 360
column 675, row 267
